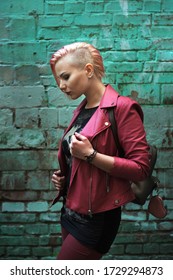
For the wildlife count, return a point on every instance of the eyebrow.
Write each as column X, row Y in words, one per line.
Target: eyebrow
column 62, row 74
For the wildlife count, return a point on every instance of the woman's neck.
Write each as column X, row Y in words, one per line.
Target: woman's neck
column 94, row 95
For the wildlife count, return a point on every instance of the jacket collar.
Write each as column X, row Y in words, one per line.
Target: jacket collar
column 109, row 99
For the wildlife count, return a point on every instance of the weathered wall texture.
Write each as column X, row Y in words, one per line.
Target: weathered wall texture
column 136, row 40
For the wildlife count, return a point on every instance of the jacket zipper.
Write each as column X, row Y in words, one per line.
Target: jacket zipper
column 107, row 183
column 89, row 195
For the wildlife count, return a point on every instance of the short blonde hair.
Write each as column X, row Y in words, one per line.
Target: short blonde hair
column 85, row 53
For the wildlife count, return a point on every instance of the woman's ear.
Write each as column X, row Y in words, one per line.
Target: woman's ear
column 89, row 70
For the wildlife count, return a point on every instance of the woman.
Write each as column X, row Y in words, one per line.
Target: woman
column 92, row 179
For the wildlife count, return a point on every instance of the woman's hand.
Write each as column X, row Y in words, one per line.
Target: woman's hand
column 80, row 146
column 58, row 180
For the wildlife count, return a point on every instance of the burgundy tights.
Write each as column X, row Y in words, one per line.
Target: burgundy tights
column 72, row 249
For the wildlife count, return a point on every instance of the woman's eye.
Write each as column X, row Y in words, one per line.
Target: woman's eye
column 66, row 77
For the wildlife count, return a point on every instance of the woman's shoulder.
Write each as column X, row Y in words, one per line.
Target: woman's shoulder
column 126, row 104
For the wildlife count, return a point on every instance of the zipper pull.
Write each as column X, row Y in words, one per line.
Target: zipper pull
column 90, row 213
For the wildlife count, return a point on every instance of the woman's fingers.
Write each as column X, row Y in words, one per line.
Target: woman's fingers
column 58, row 180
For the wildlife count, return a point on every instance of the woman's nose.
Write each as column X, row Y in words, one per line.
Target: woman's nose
column 62, row 85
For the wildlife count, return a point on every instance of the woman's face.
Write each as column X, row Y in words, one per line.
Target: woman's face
column 73, row 80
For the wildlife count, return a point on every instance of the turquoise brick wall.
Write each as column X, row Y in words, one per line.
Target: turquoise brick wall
column 136, row 41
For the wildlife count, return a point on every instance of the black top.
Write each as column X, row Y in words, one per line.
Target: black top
column 98, row 230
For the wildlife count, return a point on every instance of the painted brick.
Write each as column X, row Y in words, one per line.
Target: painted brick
column 65, row 115
column 6, row 75
column 17, row 218
column 28, row 118
column 57, row 207
column 2, row 251
column 20, row 196
column 164, row 19
column 38, row 180
column 143, row 93
column 163, row 78
column 165, row 55
column 165, row 45
column 21, row 29
column 10, row 137
column 117, row 250
column 55, row 21
column 131, row 238
column 133, row 216
column 54, row 7
column 94, row 6
column 6, row 117
column 28, row 160
column 166, row 94
column 53, row 138
column 124, row 67
column 90, row 19
column 168, row 248
column 164, row 111
column 134, row 249
column 124, row 44
column 12, row 207
column 152, row 6
column 3, row 30
column 151, row 248
column 115, row 56
column 49, row 217
column 167, row 6
column 158, row 67
column 55, row 229
column 44, row 240
column 165, row 159
column 130, row 227
column 48, row 196
column 18, row 251
column 12, row 230
column 41, row 251
column 21, row 97
column 24, row 7
column 36, row 229
column 133, row 19
column 48, row 117
column 12, row 180
column 18, row 240
column 60, row 33
column 73, row 7
column 113, row 6
column 123, row 7
column 38, row 206
column 128, row 33
column 148, row 226
column 161, row 32
column 165, row 226
column 27, row 75
column 134, row 78
column 165, row 137
column 146, row 55
column 23, row 52
column 57, row 99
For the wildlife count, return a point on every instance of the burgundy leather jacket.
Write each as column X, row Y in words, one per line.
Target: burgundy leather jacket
column 92, row 190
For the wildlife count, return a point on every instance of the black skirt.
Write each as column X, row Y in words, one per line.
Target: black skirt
column 97, row 231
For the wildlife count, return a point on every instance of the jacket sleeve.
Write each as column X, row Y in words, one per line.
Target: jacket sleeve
column 135, row 165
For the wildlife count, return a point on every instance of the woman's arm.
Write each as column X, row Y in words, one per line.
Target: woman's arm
column 135, row 165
